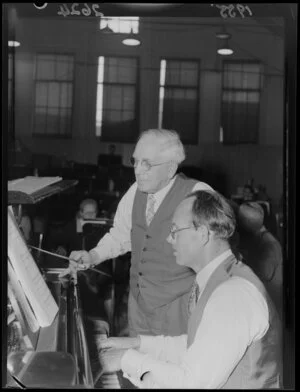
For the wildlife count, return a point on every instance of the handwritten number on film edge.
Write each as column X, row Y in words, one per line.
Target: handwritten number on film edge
column 86, row 10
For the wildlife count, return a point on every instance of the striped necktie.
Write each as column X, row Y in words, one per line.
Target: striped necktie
column 195, row 292
column 150, row 209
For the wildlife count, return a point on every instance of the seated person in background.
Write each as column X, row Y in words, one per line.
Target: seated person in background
column 26, row 228
column 233, row 338
column 261, row 250
column 69, row 237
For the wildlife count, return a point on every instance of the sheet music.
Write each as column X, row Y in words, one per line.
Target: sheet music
column 31, row 184
column 34, row 286
column 15, row 286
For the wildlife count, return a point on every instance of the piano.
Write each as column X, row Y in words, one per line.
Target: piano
column 63, row 354
column 56, row 356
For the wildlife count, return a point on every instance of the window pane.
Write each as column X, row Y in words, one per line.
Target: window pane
column 243, row 76
column 53, row 99
column 120, row 70
column 116, row 111
column 64, row 68
column 112, row 97
column 178, row 107
column 41, row 94
column 45, row 69
column 66, row 90
column 128, row 98
column 124, row 24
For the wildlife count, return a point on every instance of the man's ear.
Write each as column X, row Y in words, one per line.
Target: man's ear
column 172, row 169
column 203, row 234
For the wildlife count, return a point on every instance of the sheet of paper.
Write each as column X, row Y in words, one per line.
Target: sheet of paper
column 15, row 288
column 31, row 184
column 31, row 280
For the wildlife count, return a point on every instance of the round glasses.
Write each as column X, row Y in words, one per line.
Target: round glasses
column 174, row 231
column 145, row 164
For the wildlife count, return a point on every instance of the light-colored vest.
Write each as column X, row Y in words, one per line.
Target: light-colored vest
column 154, row 272
column 261, row 365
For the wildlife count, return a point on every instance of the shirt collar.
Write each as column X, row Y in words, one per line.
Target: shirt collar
column 159, row 196
column 203, row 275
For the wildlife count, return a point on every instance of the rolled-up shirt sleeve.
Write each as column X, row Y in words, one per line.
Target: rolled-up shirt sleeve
column 227, row 327
column 117, row 241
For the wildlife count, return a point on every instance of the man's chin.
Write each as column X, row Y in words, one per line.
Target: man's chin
column 143, row 187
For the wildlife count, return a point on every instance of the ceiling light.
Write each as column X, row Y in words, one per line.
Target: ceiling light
column 13, row 44
column 225, row 51
column 131, row 40
column 224, row 48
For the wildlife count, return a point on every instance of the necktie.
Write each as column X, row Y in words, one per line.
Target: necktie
column 195, row 291
column 150, row 209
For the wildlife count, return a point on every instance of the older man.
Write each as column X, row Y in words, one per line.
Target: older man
column 233, row 339
column 158, row 286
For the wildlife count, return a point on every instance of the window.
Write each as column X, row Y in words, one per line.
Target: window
column 122, row 24
column 242, row 83
column 117, row 99
column 54, row 76
column 179, row 98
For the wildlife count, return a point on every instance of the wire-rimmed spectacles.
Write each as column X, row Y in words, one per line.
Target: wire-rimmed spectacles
column 145, row 164
column 173, row 231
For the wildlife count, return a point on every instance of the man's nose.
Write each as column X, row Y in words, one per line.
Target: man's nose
column 139, row 168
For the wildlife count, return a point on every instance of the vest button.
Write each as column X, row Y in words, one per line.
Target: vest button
column 148, row 236
column 140, row 273
column 144, row 249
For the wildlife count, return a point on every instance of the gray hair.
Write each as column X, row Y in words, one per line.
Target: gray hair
column 171, row 147
column 212, row 210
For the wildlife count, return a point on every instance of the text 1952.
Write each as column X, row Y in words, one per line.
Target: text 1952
column 78, row 9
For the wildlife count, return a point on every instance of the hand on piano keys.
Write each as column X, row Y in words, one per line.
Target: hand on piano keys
column 110, row 360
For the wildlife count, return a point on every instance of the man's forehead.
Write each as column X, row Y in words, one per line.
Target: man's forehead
column 148, row 147
column 89, row 207
column 183, row 210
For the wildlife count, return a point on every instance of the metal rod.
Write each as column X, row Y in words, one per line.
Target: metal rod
column 67, row 258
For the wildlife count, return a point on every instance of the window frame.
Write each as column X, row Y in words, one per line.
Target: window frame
column 104, row 137
column 195, row 141
column 256, row 137
column 54, row 135
column 129, row 18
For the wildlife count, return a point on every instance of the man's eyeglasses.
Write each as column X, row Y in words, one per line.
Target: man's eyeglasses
column 173, row 231
column 146, row 165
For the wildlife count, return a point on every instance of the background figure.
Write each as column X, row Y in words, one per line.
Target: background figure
column 159, row 288
column 261, row 250
column 62, row 239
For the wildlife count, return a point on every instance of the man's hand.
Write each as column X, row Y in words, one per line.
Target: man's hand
column 148, row 382
column 79, row 260
column 110, row 360
column 120, row 343
column 60, row 250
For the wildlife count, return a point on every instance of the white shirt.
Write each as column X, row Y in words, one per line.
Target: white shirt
column 235, row 315
column 118, row 241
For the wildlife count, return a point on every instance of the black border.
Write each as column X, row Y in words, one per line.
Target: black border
column 290, row 13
